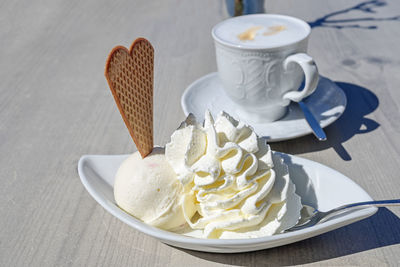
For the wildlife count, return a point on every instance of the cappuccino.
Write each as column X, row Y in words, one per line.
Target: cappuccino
column 261, row 62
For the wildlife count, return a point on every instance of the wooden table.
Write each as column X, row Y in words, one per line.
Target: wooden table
column 55, row 106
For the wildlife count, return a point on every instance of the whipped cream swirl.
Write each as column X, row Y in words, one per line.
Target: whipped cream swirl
column 230, row 187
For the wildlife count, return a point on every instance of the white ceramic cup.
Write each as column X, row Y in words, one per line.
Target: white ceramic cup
column 263, row 75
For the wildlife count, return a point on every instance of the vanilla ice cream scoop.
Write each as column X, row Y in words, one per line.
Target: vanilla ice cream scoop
column 148, row 189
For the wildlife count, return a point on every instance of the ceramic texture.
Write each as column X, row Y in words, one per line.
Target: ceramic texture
column 317, row 184
column 327, row 104
column 257, row 80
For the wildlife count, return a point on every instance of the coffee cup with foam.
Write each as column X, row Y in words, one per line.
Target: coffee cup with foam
column 262, row 62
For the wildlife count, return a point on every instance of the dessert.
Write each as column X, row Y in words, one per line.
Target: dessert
column 233, row 186
column 145, row 185
column 147, row 188
column 217, row 180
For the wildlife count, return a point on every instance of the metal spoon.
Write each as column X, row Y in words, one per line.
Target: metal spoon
column 310, row 216
column 312, row 121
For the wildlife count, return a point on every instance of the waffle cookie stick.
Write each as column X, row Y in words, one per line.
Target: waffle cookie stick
column 129, row 74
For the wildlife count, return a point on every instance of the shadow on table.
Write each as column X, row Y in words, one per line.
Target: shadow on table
column 360, row 102
column 380, row 230
column 365, row 7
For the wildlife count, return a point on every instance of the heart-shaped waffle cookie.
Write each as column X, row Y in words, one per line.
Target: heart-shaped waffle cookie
column 129, row 74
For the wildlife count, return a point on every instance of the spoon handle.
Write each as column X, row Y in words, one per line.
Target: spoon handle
column 377, row 203
column 312, row 121
column 321, row 216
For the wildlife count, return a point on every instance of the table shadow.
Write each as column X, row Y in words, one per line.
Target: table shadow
column 367, row 7
column 360, row 102
column 380, row 230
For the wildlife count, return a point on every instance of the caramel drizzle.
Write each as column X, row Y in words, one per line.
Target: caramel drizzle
column 250, row 33
column 274, row 30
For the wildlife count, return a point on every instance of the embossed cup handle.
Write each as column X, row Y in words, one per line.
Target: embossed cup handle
column 311, row 76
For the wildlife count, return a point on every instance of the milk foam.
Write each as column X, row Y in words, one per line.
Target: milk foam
column 292, row 31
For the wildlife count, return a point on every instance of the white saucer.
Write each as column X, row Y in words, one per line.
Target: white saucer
column 317, row 185
column 327, row 104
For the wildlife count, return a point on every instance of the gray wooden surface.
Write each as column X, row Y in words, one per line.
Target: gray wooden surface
column 55, row 106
